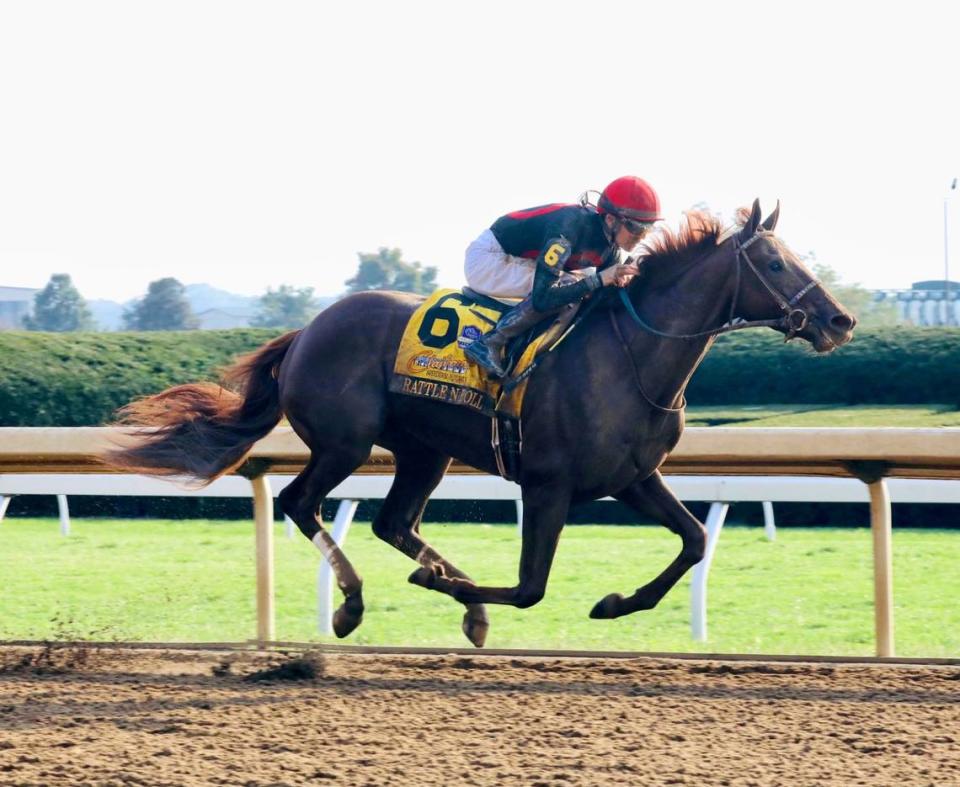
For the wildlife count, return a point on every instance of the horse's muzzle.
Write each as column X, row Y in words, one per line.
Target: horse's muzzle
column 826, row 335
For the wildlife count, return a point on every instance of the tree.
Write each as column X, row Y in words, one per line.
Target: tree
column 164, row 308
column 386, row 270
column 59, row 307
column 286, row 307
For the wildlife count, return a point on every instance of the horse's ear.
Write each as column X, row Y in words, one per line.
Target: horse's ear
column 771, row 221
column 750, row 227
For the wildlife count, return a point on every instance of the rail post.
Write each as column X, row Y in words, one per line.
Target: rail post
column 698, row 583
column 881, row 525
column 873, row 474
column 263, row 518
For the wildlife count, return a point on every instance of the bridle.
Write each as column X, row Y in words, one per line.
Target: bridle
column 793, row 320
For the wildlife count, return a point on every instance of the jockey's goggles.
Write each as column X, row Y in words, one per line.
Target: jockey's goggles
column 635, row 227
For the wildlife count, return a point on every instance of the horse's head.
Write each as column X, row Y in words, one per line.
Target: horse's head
column 774, row 283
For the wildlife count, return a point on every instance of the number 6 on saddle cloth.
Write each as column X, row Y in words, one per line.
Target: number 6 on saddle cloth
column 431, row 364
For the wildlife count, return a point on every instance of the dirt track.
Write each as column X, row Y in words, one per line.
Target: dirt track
column 124, row 717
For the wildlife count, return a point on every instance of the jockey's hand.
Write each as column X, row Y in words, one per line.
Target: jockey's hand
column 619, row 275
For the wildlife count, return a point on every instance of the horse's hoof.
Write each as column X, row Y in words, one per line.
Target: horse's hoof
column 349, row 615
column 475, row 626
column 607, row 607
column 424, row 577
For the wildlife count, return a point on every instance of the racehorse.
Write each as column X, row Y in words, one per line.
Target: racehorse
column 600, row 415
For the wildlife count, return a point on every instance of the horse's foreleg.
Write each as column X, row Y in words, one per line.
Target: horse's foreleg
column 652, row 497
column 418, row 471
column 301, row 500
column 544, row 512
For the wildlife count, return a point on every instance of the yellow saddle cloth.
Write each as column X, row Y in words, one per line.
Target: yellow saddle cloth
column 431, row 364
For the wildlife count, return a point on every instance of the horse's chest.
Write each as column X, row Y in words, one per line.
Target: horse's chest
column 653, row 444
column 606, row 462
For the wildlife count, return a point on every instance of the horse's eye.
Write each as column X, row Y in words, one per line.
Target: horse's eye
column 776, row 266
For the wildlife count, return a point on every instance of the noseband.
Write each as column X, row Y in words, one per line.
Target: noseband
column 794, row 318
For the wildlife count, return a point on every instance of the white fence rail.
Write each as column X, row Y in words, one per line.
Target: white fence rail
column 719, row 491
column 871, row 455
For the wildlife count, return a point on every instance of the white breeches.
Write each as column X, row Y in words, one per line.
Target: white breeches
column 491, row 271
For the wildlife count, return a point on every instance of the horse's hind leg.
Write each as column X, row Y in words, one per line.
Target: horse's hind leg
column 652, row 497
column 544, row 510
column 418, row 471
column 301, row 500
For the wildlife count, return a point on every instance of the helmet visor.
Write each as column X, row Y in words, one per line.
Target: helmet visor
column 640, row 228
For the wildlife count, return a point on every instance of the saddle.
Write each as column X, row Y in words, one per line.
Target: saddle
column 516, row 346
column 551, row 330
column 430, row 363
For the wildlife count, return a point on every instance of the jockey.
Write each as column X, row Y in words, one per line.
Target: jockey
column 554, row 255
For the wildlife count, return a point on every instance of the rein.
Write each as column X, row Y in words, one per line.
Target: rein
column 792, row 322
column 636, row 372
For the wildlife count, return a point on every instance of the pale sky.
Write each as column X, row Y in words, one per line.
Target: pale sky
column 249, row 145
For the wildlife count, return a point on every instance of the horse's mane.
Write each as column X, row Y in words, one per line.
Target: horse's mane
column 671, row 253
column 698, row 233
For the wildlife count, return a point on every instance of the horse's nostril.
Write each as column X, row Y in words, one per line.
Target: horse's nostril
column 843, row 322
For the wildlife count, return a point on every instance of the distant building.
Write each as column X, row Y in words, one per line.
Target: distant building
column 218, row 319
column 15, row 304
column 927, row 303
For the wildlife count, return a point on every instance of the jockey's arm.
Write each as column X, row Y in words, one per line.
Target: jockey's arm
column 550, row 291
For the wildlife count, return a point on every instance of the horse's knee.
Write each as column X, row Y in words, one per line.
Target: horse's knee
column 291, row 503
column 286, row 500
column 527, row 597
column 303, row 517
column 695, row 544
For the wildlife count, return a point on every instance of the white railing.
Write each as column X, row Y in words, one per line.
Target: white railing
column 720, row 491
column 872, row 455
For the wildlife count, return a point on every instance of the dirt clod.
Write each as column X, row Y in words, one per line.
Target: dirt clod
column 309, row 666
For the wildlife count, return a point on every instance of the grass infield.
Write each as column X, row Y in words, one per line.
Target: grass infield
column 814, row 415
column 808, row 592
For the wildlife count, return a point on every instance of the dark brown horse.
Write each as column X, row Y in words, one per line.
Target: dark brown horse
column 600, row 415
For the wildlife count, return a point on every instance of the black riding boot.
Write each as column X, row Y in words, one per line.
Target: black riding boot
column 487, row 351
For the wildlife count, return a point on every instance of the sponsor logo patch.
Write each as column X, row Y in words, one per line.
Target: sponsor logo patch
column 433, row 363
column 468, row 336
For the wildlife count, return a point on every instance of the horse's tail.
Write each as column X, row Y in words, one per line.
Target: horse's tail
column 203, row 430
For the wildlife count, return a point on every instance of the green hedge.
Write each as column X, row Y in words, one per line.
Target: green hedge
column 895, row 365
column 80, row 379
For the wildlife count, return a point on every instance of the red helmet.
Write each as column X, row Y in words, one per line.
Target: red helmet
column 631, row 198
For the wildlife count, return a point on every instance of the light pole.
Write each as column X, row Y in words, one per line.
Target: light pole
column 947, row 306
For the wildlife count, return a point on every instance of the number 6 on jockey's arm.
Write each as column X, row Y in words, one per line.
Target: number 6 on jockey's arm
column 551, row 291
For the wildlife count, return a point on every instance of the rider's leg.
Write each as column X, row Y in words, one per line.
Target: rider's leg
column 487, row 351
column 491, row 271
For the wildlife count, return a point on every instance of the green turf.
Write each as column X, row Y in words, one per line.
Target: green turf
column 810, row 415
column 808, row 592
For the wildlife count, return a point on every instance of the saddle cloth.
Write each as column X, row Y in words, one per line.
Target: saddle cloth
column 431, row 364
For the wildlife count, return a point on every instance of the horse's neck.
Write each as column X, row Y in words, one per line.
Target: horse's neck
column 697, row 301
